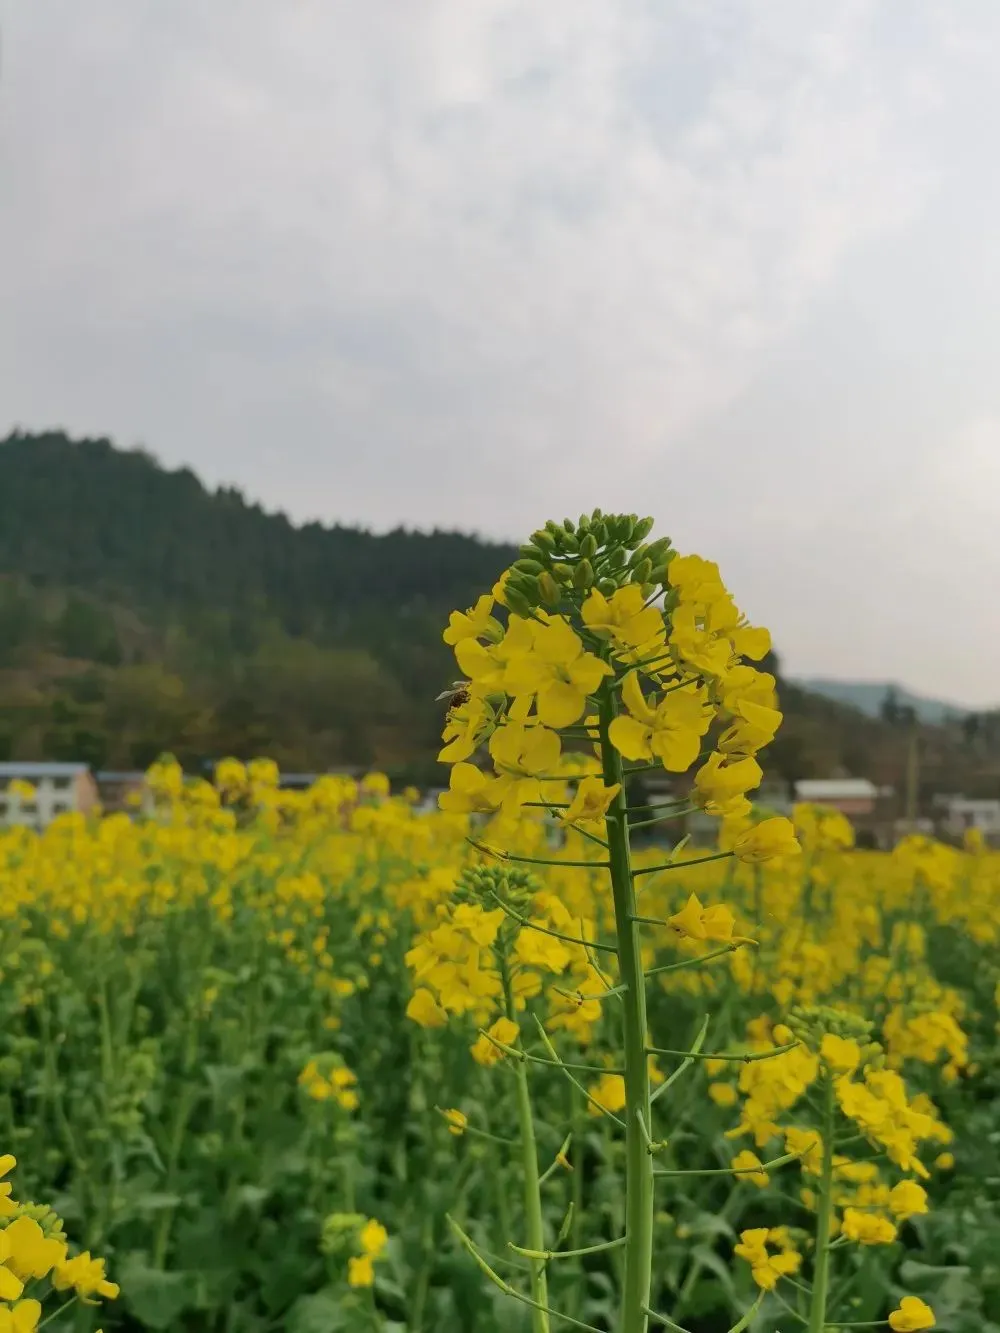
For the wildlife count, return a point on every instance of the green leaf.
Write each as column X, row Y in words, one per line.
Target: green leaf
column 252, row 1196
column 323, row 1313
column 950, row 1290
column 710, row 1224
column 155, row 1298
column 710, row 1260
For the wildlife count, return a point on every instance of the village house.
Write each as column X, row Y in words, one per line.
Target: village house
column 963, row 813
column 853, row 797
column 56, row 789
column 868, row 807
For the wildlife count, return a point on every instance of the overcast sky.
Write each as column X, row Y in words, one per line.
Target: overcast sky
column 475, row 263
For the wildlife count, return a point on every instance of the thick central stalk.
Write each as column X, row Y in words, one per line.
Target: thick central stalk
column 639, row 1162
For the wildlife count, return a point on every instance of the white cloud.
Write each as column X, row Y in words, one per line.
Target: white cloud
column 440, row 262
column 482, row 182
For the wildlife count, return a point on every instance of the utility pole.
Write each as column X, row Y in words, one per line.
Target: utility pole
column 912, row 772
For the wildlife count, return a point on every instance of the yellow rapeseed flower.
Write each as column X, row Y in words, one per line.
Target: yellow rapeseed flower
column 457, row 1121
column 911, row 1316
column 867, row 1228
column 695, row 922
column 748, row 1166
column 360, row 1270
column 770, row 840
column 20, row 1318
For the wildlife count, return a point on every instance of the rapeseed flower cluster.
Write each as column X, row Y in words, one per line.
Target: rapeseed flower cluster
column 31, row 1253
column 328, row 1079
column 361, row 1240
column 595, row 643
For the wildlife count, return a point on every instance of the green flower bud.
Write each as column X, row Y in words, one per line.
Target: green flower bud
column 583, row 576
column 641, row 573
column 642, row 529
column 597, row 516
column 549, row 589
column 544, row 540
column 517, row 602
column 607, row 586
column 568, row 524
column 528, row 566
column 485, row 884
column 588, row 546
column 620, row 528
column 582, row 525
column 529, row 551
column 562, row 572
column 658, row 574
column 600, row 531
column 657, row 551
column 340, row 1232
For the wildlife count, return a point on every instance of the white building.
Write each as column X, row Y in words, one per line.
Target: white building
column 851, row 796
column 56, row 790
column 965, row 812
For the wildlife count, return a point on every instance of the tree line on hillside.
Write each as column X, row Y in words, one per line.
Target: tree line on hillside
column 140, row 612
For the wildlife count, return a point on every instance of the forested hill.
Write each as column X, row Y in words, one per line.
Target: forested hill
column 140, row 612
column 86, row 515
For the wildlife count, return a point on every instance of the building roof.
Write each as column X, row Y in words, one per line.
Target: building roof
column 835, row 789
column 125, row 775
column 31, row 769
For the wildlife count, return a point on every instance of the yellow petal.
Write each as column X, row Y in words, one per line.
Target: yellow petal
column 560, row 704
column 630, row 738
column 634, row 700
column 676, row 750
column 10, row 1286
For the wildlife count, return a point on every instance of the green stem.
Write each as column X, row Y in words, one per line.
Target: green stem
column 659, row 819
column 638, row 1161
column 56, row 1313
column 693, row 962
column 737, row 1057
column 539, row 860
column 567, row 1254
column 186, row 1102
column 525, row 924
column 533, row 1220
column 686, row 865
column 577, row 1117
column 821, row 1274
column 498, row 1281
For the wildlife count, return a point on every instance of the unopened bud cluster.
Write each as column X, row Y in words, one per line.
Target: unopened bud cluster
column 811, row 1023
column 598, row 551
column 487, row 886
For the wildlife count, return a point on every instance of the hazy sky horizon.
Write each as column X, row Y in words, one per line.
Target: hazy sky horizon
column 733, row 264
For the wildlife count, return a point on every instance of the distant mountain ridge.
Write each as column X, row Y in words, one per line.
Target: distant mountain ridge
column 869, row 697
